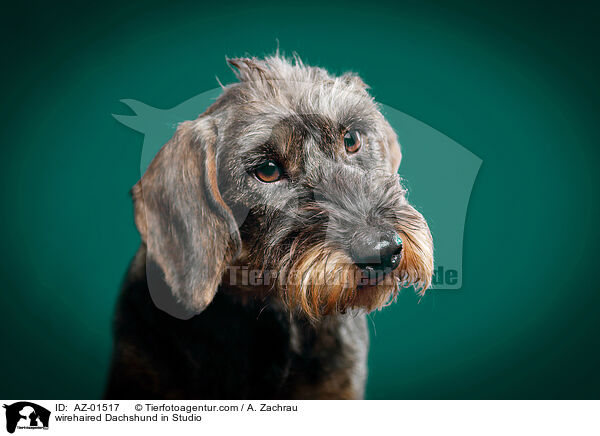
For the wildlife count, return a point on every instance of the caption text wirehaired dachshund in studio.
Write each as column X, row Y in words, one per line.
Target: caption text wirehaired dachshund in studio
column 271, row 225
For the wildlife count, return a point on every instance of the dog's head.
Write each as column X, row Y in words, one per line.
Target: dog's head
column 291, row 172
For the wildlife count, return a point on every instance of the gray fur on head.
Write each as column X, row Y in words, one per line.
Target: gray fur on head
column 199, row 208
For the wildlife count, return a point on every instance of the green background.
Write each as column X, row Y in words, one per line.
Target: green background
column 513, row 82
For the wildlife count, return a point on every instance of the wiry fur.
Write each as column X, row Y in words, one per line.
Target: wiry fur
column 301, row 108
column 200, row 210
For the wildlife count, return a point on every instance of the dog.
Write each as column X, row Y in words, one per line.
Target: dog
column 271, row 226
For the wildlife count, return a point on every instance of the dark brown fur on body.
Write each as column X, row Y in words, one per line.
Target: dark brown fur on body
column 234, row 350
column 186, row 327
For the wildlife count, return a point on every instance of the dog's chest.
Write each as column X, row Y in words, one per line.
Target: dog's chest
column 234, row 350
column 269, row 354
column 329, row 361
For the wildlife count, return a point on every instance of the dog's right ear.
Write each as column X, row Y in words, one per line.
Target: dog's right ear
column 188, row 229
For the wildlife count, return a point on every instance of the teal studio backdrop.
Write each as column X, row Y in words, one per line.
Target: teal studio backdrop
column 513, row 82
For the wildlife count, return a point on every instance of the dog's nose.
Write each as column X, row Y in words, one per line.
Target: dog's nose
column 379, row 251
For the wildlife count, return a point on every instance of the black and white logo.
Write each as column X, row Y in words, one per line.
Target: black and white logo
column 26, row 415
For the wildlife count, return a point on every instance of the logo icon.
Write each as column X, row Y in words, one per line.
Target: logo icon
column 438, row 172
column 26, row 415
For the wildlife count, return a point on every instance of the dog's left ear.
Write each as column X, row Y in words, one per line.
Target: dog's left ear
column 392, row 147
column 188, row 229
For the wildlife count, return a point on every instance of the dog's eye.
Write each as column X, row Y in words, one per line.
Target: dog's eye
column 268, row 172
column 352, row 141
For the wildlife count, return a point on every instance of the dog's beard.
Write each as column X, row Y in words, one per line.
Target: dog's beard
column 317, row 278
column 323, row 280
column 416, row 263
